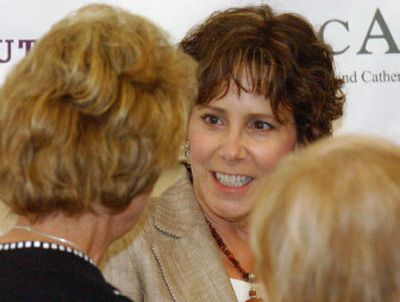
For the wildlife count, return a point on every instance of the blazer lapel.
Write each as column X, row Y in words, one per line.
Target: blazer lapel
column 187, row 254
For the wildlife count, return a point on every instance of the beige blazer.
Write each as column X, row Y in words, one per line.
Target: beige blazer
column 171, row 256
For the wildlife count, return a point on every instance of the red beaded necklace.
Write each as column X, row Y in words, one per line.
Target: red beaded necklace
column 247, row 276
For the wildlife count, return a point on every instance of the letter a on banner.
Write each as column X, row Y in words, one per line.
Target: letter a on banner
column 385, row 35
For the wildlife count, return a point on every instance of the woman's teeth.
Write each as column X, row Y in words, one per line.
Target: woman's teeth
column 232, row 180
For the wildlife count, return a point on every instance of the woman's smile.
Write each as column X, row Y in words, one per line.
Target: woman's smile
column 232, row 180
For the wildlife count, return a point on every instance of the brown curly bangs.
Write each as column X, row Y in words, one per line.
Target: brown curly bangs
column 276, row 55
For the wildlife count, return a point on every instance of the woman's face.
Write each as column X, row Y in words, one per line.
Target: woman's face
column 235, row 142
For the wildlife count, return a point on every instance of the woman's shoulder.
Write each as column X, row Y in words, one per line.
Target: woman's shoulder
column 161, row 213
column 174, row 213
column 181, row 189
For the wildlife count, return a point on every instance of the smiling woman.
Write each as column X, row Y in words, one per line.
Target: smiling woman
column 235, row 142
column 267, row 85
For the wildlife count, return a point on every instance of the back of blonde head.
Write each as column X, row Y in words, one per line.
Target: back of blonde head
column 326, row 225
column 92, row 114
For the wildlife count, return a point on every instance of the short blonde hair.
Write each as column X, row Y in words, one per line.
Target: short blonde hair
column 92, row 114
column 326, row 225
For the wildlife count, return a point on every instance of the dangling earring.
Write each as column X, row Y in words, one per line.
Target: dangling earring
column 186, row 152
column 186, row 159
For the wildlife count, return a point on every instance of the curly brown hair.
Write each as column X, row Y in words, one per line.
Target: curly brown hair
column 280, row 55
column 92, row 114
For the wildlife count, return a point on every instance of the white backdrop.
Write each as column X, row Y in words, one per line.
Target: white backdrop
column 365, row 33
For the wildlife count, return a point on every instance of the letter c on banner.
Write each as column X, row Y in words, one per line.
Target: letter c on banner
column 322, row 33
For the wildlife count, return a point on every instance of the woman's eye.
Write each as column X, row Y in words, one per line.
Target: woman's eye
column 261, row 125
column 211, row 119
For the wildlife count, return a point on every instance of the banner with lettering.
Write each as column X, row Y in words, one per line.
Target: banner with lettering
column 364, row 34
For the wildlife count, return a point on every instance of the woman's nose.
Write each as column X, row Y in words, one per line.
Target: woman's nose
column 232, row 146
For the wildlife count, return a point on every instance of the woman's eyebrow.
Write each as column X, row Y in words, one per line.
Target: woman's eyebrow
column 210, row 107
column 261, row 115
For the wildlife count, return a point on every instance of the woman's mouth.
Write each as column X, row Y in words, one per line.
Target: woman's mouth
column 230, row 180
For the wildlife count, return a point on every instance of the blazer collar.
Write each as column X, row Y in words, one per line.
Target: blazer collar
column 177, row 210
column 194, row 258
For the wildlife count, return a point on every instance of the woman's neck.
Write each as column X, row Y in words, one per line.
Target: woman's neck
column 238, row 228
column 235, row 236
column 88, row 232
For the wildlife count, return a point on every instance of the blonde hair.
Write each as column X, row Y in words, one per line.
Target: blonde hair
column 325, row 227
column 92, row 114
